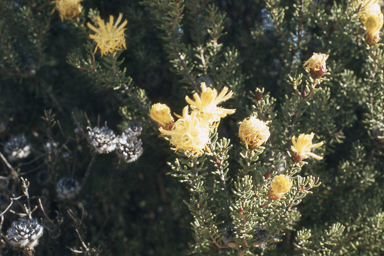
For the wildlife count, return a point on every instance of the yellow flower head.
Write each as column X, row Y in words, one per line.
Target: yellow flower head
column 253, row 132
column 316, row 64
column 161, row 114
column 373, row 26
column 189, row 133
column 109, row 37
column 302, row 147
column 372, row 18
column 369, row 7
column 280, row 185
column 68, row 9
column 208, row 101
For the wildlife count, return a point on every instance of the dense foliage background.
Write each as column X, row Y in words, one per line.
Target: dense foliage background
column 172, row 46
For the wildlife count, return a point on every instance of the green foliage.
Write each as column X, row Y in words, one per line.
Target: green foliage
column 222, row 203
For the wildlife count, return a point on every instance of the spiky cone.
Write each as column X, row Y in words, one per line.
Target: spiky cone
column 25, row 233
column 102, row 140
column 17, row 148
column 128, row 146
column 67, row 189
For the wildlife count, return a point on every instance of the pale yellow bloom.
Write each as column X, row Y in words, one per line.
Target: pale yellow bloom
column 161, row 114
column 68, row 9
column 253, row 132
column 189, row 133
column 373, row 26
column 372, row 18
column 280, row 185
column 109, row 36
column 316, row 62
column 302, row 147
column 369, row 8
column 207, row 103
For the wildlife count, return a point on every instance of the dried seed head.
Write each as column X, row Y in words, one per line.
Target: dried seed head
column 4, row 181
column 262, row 235
column 25, row 233
column 50, row 147
column 228, row 234
column 17, row 148
column 128, row 146
column 102, row 140
column 42, row 177
column 378, row 133
column 67, row 189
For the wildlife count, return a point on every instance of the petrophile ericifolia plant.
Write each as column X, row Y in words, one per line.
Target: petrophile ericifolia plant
column 199, row 127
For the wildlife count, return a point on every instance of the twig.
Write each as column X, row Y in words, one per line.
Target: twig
column 214, row 241
column 9, row 206
column 88, row 172
column 53, row 98
column 14, row 173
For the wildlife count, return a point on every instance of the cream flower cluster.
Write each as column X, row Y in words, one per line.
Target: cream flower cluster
column 191, row 131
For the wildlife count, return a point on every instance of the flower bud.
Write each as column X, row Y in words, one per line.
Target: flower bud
column 258, row 94
column 253, row 132
column 316, row 65
column 161, row 113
